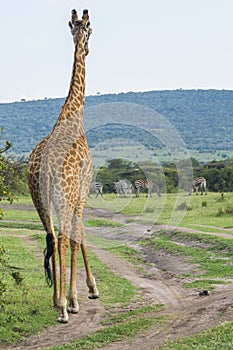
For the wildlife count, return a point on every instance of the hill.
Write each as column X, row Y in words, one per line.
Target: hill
column 203, row 119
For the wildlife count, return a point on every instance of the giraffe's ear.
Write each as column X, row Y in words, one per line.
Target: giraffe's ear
column 89, row 31
column 70, row 25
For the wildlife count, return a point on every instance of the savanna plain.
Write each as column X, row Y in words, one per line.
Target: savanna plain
column 164, row 268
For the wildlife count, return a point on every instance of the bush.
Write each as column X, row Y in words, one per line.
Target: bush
column 183, row 206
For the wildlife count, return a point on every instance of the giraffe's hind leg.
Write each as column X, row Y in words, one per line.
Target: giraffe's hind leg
column 90, row 280
column 73, row 306
column 79, row 233
column 77, row 239
column 62, row 249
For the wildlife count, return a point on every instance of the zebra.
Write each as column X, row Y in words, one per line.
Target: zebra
column 148, row 185
column 97, row 188
column 122, row 187
column 198, row 183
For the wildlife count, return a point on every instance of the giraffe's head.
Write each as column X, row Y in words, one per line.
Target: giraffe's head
column 80, row 28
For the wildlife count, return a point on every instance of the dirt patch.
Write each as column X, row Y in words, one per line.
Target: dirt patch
column 176, row 265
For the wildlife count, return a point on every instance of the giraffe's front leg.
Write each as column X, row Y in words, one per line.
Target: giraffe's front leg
column 73, row 297
column 62, row 249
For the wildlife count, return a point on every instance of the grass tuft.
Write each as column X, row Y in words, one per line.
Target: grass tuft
column 102, row 222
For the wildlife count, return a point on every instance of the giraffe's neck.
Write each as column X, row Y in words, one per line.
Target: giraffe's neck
column 74, row 102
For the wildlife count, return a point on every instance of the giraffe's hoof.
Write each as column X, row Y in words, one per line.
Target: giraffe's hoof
column 63, row 316
column 93, row 295
column 62, row 319
column 73, row 310
column 92, row 289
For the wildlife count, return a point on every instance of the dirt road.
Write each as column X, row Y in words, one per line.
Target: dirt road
column 157, row 283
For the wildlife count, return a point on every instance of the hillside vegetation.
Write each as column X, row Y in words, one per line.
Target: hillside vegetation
column 203, row 118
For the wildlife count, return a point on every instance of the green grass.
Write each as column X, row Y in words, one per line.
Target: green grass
column 113, row 203
column 127, row 253
column 102, row 222
column 123, row 316
column 153, row 210
column 203, row 284
column 26, row 305
column 216, row 338
column 102, row 242
column 21, row 225
column 21, row 215
column 23, row 200
column 108, row 283
column 208, row 229
column 165, row 210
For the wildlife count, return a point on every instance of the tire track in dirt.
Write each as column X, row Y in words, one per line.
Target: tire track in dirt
column 157, row 290
column 186, row 320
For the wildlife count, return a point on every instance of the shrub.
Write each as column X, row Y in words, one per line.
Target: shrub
column 183, row 206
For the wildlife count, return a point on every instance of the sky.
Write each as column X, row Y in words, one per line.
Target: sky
column 135, row 46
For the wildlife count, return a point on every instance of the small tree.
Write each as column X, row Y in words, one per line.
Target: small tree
column 6, row 173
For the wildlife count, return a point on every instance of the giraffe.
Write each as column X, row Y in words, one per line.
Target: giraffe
column 59, row 175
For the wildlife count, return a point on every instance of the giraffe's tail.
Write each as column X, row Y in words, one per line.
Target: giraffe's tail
column 48, row 253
